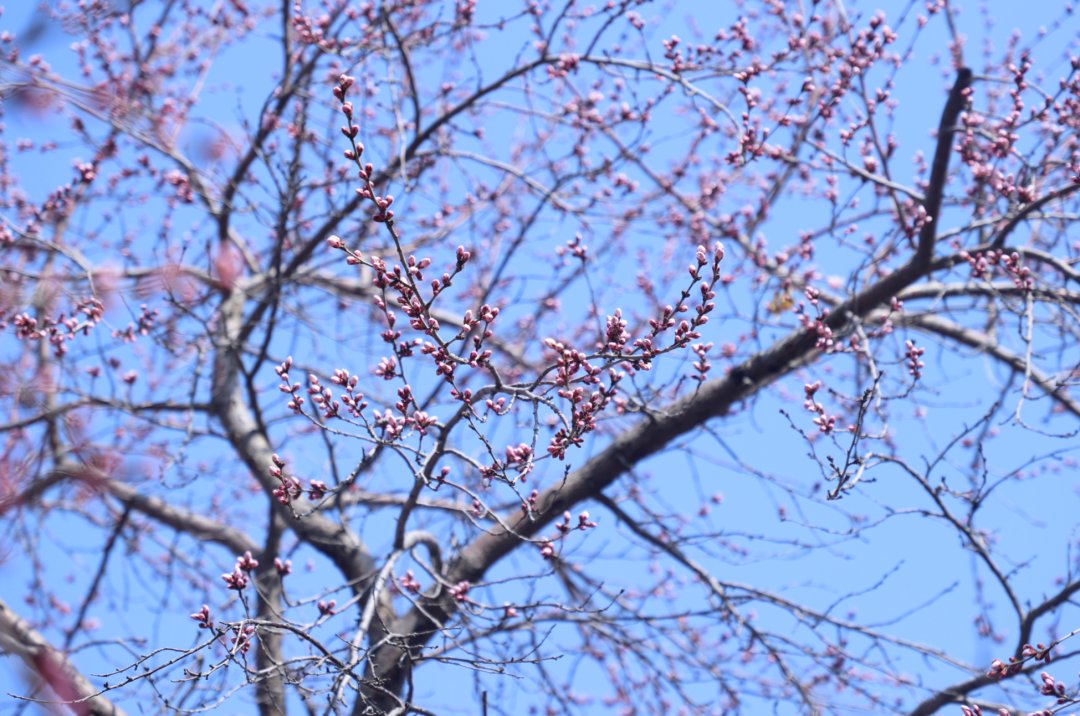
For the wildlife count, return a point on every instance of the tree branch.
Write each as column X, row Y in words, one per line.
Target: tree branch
column 391, row 662
column 19, row 639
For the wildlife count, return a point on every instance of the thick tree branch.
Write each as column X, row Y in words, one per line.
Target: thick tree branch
column 270, row 657
column 252, row 446
column 187, row 522
column 391, row 662
column 939, row 170
column 19, row 639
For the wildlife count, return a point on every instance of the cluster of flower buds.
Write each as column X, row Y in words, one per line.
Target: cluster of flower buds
column 203, row 617
column 913, row 354
column 460, row 591
column 409, row 583
column 238, row 578
column 983, row 264
column 241, row 640
column 826, row 423
column 383, row 214
column 296, row 401
column 976, row 710
column 547, row 546
column 289, row 488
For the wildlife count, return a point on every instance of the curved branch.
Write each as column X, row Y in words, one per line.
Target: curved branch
column 192, row 524
column 982, row 342
column 390, row 662
column 252, row 446
column 937, row 290
column 18, row 638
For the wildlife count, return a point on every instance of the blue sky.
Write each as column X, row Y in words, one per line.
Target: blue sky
column 907, row 572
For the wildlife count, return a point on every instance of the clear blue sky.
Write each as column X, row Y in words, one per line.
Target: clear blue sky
column 919, row 581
